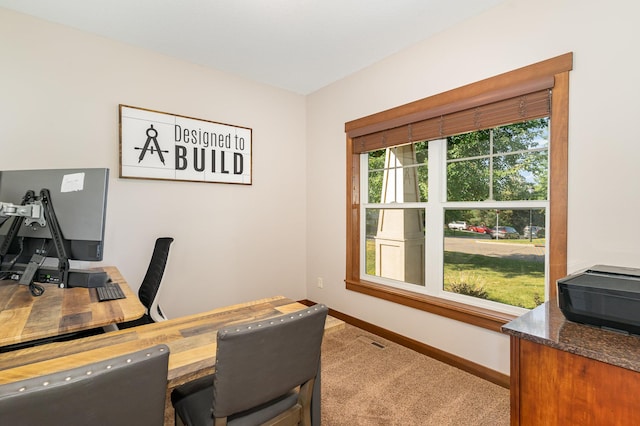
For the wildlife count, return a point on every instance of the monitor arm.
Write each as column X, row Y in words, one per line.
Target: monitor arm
column 33, row 213
column 9, row 209
column 56, row 233
column 36, row 210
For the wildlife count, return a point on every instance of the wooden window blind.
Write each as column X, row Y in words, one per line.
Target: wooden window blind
column 526, row 101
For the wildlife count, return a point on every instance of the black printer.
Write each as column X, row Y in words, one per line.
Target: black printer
column 603, row 296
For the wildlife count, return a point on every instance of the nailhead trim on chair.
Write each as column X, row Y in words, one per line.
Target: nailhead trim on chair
column 270, row 322
column 115, row 362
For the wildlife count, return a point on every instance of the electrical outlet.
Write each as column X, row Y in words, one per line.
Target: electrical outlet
column 320, row 282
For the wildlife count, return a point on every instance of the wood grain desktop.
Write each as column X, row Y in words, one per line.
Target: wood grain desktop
column 59, row 311
column 191, row 340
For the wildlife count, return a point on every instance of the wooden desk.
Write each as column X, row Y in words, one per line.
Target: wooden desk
column 191, row 340
column 60, row 310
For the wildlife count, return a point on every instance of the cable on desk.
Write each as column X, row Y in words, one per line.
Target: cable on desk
column 36, row 289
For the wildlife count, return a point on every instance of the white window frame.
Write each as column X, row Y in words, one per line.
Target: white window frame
column 434, row 230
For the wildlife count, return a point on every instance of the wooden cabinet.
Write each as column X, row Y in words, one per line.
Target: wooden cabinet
column 565, row 373
column 554, row 387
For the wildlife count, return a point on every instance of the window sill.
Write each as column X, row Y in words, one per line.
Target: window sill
column 480, row 317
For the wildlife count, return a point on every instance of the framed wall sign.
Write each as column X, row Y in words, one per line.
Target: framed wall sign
column 159, row 145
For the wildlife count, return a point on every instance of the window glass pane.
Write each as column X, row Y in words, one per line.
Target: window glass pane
column 536, row 173
column 398, row 174
column 395, row 244
column 422, row 152
column 375, row 159
column 520, row 176
column 375, row 165
column 500, row 256
column 467, row 145
column 375, row 186
column 521, row 136
column 423, row 187
column 517, row 169
column 422, row 158
column 468, row 180
column 371, row 229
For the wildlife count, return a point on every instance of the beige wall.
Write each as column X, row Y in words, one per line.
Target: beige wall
column 59, row 91
column 59, row 96
column 603, row 149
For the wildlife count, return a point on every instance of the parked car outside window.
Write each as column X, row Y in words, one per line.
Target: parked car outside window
column 535, row 232
column 481, row 229
column 504, row 232
column 458, row 225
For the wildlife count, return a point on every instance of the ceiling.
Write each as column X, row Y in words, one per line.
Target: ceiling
column 297, row 45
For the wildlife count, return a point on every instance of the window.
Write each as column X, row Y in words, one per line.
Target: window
column 484, row 255
column 427, row 220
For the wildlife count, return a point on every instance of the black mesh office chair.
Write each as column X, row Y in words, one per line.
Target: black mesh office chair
column 126, row 390
column 148, row 291
column 265, row 373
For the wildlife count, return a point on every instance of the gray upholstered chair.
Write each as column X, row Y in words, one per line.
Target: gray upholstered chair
column 126, row 390
column 264, row 374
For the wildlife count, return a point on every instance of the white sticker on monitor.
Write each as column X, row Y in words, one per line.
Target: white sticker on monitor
column 72, row 182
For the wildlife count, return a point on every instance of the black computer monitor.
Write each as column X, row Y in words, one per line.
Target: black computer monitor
column 79, row 199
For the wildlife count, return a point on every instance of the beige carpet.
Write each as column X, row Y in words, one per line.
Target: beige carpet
column 365, row 384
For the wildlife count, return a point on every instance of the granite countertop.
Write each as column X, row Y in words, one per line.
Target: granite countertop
column 547, row 326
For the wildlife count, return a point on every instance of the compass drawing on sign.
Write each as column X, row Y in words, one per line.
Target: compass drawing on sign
column 152, row 135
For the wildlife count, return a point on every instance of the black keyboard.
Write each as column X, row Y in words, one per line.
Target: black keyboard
column 110, row 291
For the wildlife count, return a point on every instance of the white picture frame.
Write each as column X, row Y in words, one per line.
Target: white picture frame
column 164, row 146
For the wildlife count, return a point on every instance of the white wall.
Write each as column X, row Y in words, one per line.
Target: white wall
column 604, row 151
column 59, row 95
